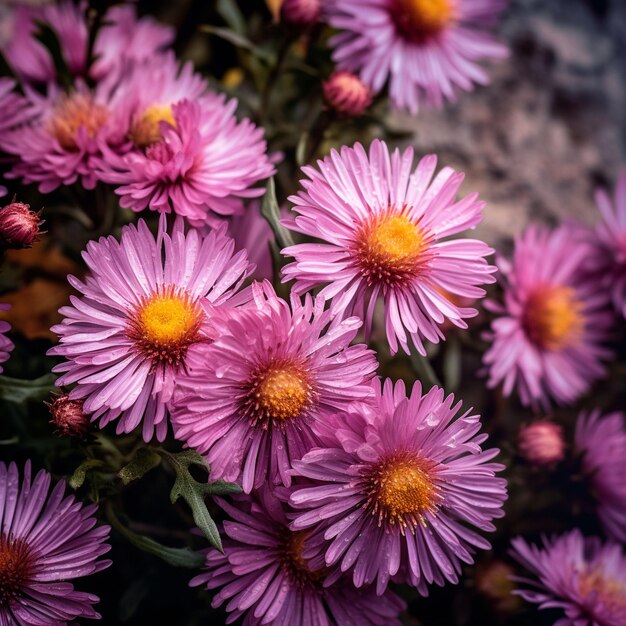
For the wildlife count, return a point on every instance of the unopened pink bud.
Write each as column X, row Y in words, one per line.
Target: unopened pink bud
column 19, row 226
column 346, row 93
column 300, row 12
column 68, row 416
column 541, row 443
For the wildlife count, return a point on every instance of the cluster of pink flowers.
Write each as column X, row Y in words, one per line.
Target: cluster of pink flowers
column 350, row 481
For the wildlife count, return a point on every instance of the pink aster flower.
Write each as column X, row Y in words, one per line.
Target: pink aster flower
column 126, row 337
column 124, row 40
column 611, row 238
column 46, row 540
column 264, row 577
column 6, row 345
column 397, row 490
column 202, row 166
column 426, row 49
column 28, row 57
column 602, row 442
column 546, row 340
column 582, row 576
column 252, row 398
column 382, row 228
column 66, row 140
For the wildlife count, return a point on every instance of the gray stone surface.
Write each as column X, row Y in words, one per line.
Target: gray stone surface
column 550, row 127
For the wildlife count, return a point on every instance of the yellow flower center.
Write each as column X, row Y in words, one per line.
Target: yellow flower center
column 73, row 113
column 283, row 393
column 165, row 324
column 15, row 569
column 147, row 129
column 390, row 249
column 418, row 20
column 554, row 317
column 610, row 593
column 401, row 490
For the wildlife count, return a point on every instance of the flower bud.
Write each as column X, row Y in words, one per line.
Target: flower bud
column 541, row 443
column 300, row 12
column 19, row 226
column 68, row 416
column 345, row 93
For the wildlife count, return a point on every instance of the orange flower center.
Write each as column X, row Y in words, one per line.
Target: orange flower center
column 294, row 563
column 390, row 249
column 276, row 393
column 147, row 129
column 401, row 490
column 165, row 324
column 554, row 317
column 418, row 20
column 609, row 593
column 15, row 569
column 73, row 113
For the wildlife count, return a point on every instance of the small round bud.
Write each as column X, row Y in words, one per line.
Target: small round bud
column 19, row 226
column 345, row 93
column 68, row 416
column 541, row 443
column 300, row 12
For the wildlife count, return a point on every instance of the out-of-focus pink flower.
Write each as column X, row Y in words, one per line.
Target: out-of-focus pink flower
column 424, row 49
column 582, row 576
column 300, row 12
column 202, row 167
column 345, row 93
column 547, row 340
column 541, row 443
column 386, row 233
column 602, row 442
column 610, row 265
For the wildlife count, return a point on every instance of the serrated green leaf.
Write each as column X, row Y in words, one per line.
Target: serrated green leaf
column 77, row 479
column 142, row 462
column 271, row 212
column 178, row 557
column 18, row 391
column 194, row 493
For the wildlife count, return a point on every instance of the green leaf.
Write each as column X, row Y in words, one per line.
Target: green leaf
column 193, row 492
column 231, row 14
column 424, row 370
column 271, row 212
column 142, row 462
column 18, row 391
column 239, row 41
column 452, row 363
column 178, row 557
column 77, row 479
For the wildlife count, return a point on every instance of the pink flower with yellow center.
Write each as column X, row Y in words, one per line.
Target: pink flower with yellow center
column 192, row 157
column 386, row 235
column 582, row 576
column 423, row 49
column 264, row 577
column 47, row 540
column 547, row 339
column 397, row 489
column 67, row 139
column 252, row 400
column 126, row 338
